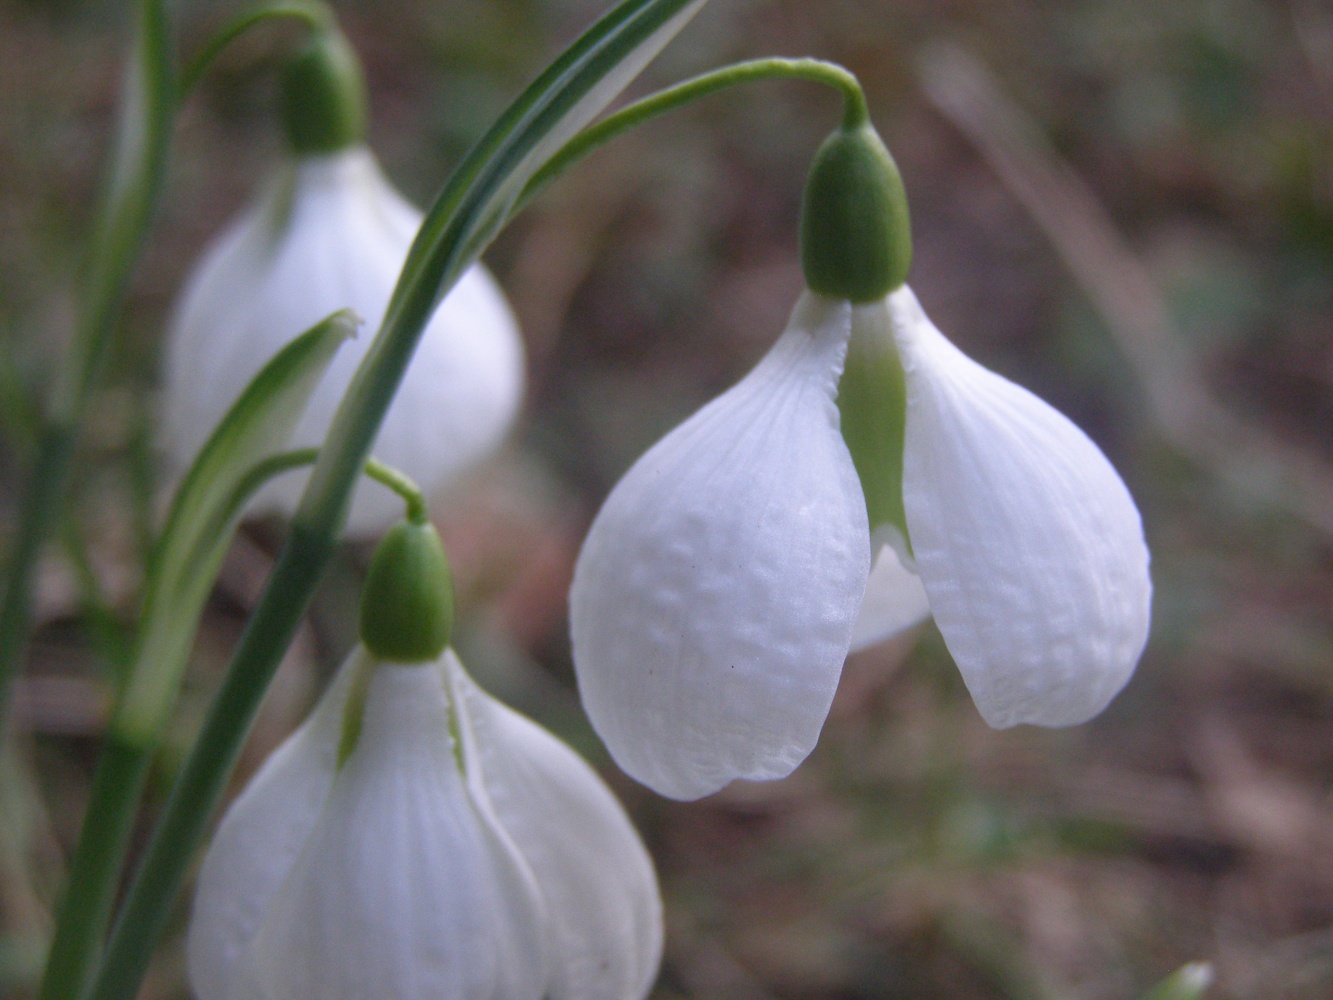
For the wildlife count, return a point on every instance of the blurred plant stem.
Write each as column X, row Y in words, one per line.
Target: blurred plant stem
column 855, row 111
column 133, row 188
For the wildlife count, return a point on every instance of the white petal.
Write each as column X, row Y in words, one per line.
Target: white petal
column 714, row 599
column 403, row 891
column 1026, row 539
column 332, row 233
column 597, row 881
column 895, row 600
column 259, row 839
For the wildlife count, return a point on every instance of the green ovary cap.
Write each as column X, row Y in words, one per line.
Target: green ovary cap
column 324, row 96
column 407, row 607
column 856, row 241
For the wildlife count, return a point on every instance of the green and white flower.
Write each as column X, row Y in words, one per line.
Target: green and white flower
column 725, row 578
column 458, row 851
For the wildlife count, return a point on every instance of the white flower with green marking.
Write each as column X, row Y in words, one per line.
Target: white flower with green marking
column 457, row 852
column 329, row 232
column 729, row 572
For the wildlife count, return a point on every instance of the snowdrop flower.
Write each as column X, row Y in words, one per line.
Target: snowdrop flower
column 416, row 838
column 730, row 570
column 329, row 232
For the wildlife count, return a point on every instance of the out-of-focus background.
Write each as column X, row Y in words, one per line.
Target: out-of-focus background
column 1125, row 207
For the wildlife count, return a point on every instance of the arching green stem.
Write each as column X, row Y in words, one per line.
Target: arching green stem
column 595, row 136
column 411, row 493
column 385, row 475
column 314, row 15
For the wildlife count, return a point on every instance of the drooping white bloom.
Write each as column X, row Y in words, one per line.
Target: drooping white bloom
column 718, row 591
column 714, row 598
column 329, row 232
column 460, row 851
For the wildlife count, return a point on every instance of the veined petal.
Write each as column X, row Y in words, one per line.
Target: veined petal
column 597, row 881
column 259, row 840
column 404, row 890
column 332, row 233
column 714, row 598
column 1027, row 541
column 894, row 601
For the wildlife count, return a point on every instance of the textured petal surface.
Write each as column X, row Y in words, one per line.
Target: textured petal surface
column 596, row 879
column 895, row 600
column 714, row 598
column 332, row 233
column 259, row 840
column 1026, row 539
column 403, row 890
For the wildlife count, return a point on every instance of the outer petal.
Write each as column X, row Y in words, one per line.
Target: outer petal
column 1027, row 541
column 596, row 879
column 403, row 890
column 332, row 233
column 714, row 599
column 259, row 839
column 895, row 600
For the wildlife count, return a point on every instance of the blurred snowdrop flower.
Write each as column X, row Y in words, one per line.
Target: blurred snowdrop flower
column 330, row 232
column 730, row 570
column 459, row 851
column 416, row 838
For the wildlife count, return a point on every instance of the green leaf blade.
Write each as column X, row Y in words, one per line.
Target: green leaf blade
column 206, row 507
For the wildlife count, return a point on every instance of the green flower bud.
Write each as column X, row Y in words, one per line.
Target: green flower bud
column 407, row 607
column 856, row 241
column 324, row 106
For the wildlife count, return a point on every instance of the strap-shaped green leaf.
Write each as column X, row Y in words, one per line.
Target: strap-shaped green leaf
column 207, row 505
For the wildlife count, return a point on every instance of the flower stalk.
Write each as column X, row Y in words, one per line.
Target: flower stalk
column 855, row 111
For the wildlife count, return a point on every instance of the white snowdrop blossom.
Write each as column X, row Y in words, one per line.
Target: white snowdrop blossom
column 730, row 570
column 329, row 232
column 458, row 851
